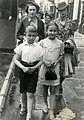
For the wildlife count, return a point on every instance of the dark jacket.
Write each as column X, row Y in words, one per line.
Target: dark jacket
column 25, row 23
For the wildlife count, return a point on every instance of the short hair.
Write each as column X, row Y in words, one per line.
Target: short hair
column 30, row 4
column 46, row 14
column 52, row 23
column 31, row 28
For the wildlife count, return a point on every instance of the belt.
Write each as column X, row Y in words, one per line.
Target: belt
column 31, row 64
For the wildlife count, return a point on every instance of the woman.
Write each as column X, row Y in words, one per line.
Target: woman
column 32, row 9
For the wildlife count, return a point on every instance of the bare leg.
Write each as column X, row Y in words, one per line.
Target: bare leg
column 30, row 100
column 52, row 101
column 23, row 104
column 45, row 95
column 24, row 99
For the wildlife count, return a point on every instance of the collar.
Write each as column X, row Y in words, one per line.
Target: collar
column 25, row 43
column 29, row 19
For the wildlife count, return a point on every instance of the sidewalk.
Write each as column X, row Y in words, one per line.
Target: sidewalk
column 74, row 89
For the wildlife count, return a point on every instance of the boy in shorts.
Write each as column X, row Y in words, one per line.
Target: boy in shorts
column 28, row 58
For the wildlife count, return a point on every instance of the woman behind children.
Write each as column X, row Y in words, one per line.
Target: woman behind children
column 32, row 9
column 28, row 59
column 52, row 54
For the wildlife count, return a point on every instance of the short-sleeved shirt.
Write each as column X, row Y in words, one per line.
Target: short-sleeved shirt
column 29, row 52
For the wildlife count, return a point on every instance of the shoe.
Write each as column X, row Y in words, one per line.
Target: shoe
column 28, row 117
column 45, row 108
column 51, row 116
column 44, row 114
column 22, row 111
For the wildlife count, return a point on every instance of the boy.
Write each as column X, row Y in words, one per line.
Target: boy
column 28, row 58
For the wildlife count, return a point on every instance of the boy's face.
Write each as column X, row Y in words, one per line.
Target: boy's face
column 31, row 37
column 52, row 32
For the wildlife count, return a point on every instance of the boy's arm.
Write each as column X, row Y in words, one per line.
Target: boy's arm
column 39, row 63
column 31, row 69
column 17, row 62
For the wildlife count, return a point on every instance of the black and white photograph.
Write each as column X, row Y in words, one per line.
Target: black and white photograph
column 41, row 59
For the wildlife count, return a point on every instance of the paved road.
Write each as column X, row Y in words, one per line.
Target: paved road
column 73, row 94
column 74, row 89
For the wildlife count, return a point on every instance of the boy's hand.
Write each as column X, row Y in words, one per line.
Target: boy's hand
column 25, row 69
column 31, row 70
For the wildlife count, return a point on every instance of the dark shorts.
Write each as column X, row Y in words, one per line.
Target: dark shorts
column 28, row 82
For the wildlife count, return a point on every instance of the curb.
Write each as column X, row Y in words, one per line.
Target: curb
column 5, row 87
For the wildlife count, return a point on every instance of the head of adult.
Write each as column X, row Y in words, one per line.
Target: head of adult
column 32, row 9
column 62, row 9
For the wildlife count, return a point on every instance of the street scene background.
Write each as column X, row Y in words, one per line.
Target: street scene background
column 11, row 14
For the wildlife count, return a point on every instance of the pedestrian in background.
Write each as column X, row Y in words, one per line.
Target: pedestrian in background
column 47, row 20
column 28, row 58
column 62, row 22
column 49, row 71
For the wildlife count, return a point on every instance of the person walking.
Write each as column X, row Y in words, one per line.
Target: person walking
column 62, row 22
column 28, row 58
column 31, row 18
column 49, row 71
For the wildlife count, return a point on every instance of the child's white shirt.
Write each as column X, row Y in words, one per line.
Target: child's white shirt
column 29, row 52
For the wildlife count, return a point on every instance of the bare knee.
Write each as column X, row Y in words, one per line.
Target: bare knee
column 52, row 90
column 30, row 95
